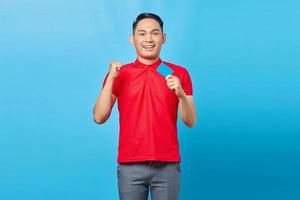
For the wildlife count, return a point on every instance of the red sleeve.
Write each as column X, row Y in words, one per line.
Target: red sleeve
column 115, row 85
column 187, row 83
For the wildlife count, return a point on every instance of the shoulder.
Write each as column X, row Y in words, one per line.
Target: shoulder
column 125, row 68
column 127, row 65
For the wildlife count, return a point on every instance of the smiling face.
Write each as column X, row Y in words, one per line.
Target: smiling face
column 147, row 40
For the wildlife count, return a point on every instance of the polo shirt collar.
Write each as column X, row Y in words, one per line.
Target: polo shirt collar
column 153, row 65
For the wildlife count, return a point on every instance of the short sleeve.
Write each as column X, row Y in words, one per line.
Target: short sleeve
column 187, row 83
column 115, row 88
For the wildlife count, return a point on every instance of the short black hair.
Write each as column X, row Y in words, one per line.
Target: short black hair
column 147, row 15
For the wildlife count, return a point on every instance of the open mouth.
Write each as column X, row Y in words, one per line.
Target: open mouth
column 149, row 47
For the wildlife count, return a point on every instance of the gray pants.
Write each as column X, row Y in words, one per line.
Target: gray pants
column 162, row 178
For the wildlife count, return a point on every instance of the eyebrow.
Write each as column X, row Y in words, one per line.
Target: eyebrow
column 142, row 30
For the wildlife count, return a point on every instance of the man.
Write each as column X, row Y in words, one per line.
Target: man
column 148, row 152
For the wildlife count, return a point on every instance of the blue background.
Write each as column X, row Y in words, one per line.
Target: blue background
column 243, row 57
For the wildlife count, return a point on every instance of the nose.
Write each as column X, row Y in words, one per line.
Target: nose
column 149, row 38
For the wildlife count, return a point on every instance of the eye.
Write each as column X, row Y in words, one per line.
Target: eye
column 156, row 33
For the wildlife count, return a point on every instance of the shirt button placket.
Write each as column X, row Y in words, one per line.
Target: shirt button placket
column 147, row 75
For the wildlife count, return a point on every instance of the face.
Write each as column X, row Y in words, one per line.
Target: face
column 148, row 39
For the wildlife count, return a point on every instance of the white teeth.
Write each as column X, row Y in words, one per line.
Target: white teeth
column 147, row 47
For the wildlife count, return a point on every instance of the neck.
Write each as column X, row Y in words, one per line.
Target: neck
column 147, row 61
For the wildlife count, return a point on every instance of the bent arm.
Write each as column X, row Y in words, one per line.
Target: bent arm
column 104, row 102
column 187, row 110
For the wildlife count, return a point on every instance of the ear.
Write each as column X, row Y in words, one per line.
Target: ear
column 131, row 40
column 164, row 38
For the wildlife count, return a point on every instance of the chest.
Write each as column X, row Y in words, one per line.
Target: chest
column 145, row 84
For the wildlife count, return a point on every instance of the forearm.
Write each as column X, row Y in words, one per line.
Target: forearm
column 187, row 110
column 104, row 102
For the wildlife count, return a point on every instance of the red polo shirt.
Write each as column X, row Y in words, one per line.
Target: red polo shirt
column 148, row 112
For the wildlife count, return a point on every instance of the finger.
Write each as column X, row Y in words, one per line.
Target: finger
column 171, row 84
column 119, row 67
column 172, row 78
column 170, row 81
column 169, row 76
column 173, row 87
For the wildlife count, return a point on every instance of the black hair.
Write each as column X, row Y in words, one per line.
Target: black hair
column 147, row 15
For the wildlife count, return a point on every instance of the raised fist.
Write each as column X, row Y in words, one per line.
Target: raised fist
column 114, row 68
